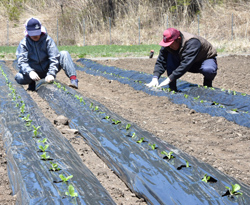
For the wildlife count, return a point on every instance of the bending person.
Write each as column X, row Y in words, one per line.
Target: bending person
column 183, row 52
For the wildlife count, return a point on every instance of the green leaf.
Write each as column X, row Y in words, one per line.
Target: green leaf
column 71, row 191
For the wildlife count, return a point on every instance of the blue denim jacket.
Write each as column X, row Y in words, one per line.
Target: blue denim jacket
column 40, row 56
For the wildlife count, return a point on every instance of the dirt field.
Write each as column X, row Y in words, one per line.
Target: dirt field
column 223, row 144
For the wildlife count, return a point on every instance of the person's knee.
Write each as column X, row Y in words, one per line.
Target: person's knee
column 64, row 53
column 18, row 78
column 209, row 73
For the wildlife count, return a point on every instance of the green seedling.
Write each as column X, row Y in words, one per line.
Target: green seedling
column 185, row 95
column 96, row 108
column 168, row 155
column 65, row 179
column 206, row 178
column 42, row 141
column 215, row 103
column 205, row 87
column 173, row 92
column 43, row 148
column 44, row 156
column 133, row 135
column 140, row 140
column 234, row 93
column 91, row 105
column 128, row 126
column 17, row 105
column 71, row 191
column 116, row 122
column 54, row 167
column 223, row 89
column 153, row 146
column 196, row 98
column 107, row 117
column 27, row 118
column 28, row 123
column 202, row 101
column 35, row 131
column 22, row 108
column 244, row 94
column 59, row 85
column 212, row 88
column 235, row 109
column 187, row 163
column 64, row 88
column 234, row 189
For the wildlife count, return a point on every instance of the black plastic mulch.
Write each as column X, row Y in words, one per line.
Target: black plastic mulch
column 31, row 178
column 146, row 171
column 233, row 106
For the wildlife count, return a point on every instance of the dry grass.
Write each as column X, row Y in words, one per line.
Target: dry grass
column 215, row 23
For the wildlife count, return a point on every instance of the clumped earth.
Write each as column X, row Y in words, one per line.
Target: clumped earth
column 214, row 140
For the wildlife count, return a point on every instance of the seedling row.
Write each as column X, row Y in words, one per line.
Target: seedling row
column 230, row 104
column 41, row 163
column 139, row 158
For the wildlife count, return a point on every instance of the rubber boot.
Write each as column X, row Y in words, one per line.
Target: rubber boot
column 32, row 86
column 207, row 82
column 172, row 86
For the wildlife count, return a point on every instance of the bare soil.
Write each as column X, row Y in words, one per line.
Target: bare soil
column 214, row 140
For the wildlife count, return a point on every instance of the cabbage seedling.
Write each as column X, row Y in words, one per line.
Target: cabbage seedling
column 43, row 148
column 65, row 179
column 234, row 189
column 187, row 163
column 42, row 141
column 71, row 191
column 153, row 146
column 141, row 140
column 54, row 167
column 185, row 95
column 35, row 131
column 128, row 126
column 44, row 156
column 107, row 117
column 244, row 94
column 116, row 122
column 206, row 178
column 133, row 135
column 168, row 155
column 96, row 108
column 196, row 98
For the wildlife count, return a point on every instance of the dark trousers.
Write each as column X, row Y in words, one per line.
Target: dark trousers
column 208, row 68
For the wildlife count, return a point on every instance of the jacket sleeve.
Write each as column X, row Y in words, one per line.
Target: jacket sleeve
column 188, row 57
column 53, row 55
column 161, row 63
column 22, row 58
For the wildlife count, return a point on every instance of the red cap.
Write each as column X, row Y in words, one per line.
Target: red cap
column 169, row 36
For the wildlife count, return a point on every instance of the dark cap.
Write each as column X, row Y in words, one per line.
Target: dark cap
column 33, row 27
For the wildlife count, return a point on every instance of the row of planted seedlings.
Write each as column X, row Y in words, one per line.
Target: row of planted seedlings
column 200, row 98
column 186, row 171
column 42, row 144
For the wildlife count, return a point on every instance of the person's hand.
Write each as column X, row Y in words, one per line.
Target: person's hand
column 154, row 83
column 34, row 76
column 165, row 82
column 49, row 78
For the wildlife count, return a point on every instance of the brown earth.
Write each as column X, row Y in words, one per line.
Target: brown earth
column 223, row 144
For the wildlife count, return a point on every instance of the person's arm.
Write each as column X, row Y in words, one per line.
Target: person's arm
column 161, row 62
column 188, row 57
column 22, row 58
column 54, row 56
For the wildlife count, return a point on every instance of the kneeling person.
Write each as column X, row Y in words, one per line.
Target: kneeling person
column 38, row 57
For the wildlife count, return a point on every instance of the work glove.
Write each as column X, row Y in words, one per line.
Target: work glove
column 165, row 82
column 154, row 83
column 49, row 78
column 34, row 76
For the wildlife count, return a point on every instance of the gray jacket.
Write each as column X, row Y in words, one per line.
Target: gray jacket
column 40, row 56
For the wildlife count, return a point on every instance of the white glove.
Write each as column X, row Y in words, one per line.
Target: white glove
column 154, row 83
column 34, row 76
column 49, row 78
column 165, row 82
